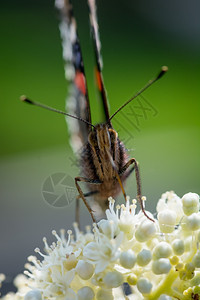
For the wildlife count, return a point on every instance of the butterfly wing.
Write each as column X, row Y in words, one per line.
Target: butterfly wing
column 98, row 58
column 77, row 103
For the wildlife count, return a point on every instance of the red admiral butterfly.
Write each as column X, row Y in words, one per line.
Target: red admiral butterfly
column 104, row 160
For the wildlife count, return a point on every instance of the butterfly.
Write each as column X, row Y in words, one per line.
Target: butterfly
column 104, row 161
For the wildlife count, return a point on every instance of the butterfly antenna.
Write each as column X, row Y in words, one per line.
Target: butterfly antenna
column 27, row 100
column 164, row 69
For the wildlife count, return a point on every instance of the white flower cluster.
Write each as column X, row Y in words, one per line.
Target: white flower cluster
column 21, row 282
column 156, row 260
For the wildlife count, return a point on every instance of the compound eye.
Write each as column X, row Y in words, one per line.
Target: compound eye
column 92, row 139
column 113, row 135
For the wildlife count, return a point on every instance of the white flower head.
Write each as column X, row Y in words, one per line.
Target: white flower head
column 190, row 203
column 57, row 270
column 158, row 260
column 103, row 250
column 170, row 201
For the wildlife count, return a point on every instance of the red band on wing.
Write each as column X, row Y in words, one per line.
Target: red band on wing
column 99, row 81
column 80, row 82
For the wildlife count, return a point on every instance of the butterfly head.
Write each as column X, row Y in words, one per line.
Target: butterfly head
column 102, row 137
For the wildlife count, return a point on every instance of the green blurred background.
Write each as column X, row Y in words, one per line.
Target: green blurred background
column 138, row 37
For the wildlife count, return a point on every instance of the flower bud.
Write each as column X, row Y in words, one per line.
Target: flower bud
column 174, row 260
column 183, row 275
column 190, row 267
column 190, row 203
column 161, row 266
column 33, row 295
column 128, row 259
column 191, row 223
column 190, row 275
column 85, row 293
column 132, row 279
column 162, row 250
column 178, row 246
column 144, row 257
column 113, row 279
column 167, row 220
column 179, row 266
column 144, row 286
column 106, row 227
column 145, row 231
column 84, row 269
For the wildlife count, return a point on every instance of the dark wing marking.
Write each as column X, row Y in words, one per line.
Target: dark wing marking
column 77, row 102
column 99, row 63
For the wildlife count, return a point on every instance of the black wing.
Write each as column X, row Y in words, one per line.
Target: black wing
column 77, row 102
column 98, row 59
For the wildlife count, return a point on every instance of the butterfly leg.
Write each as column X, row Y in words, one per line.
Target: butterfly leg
column 77, row 216
column 83, row 179
column 138, row 182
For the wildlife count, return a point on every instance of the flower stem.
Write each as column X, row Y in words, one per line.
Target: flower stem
column 164, row 286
